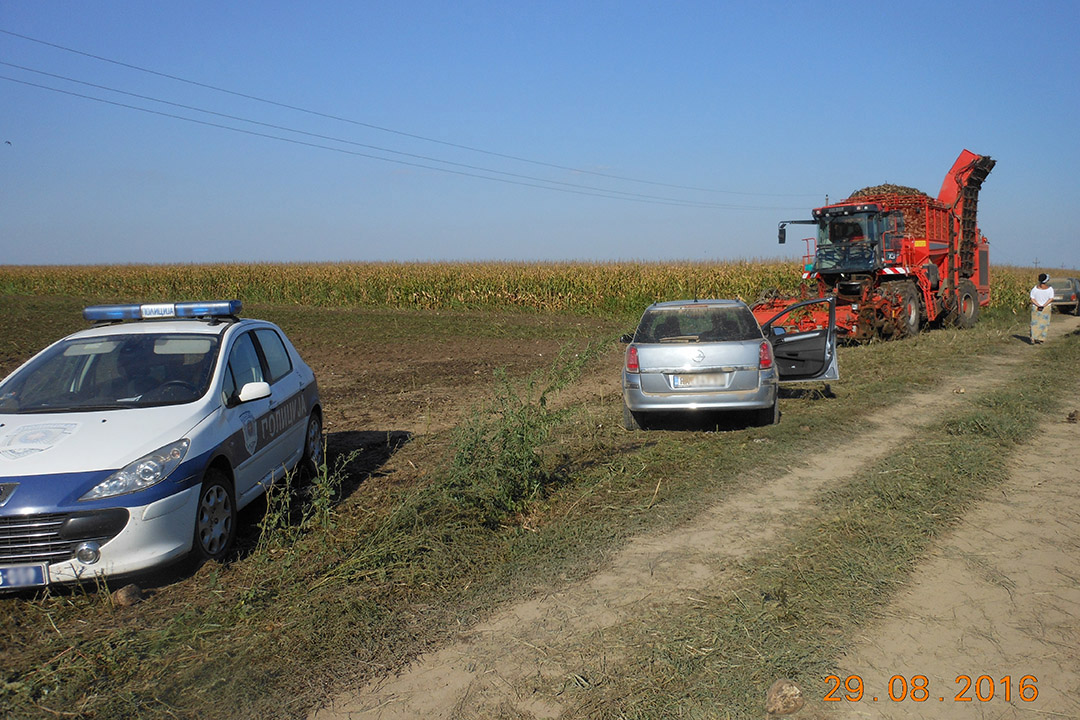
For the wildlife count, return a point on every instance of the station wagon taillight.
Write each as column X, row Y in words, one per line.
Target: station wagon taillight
column 765, row 357
column 631, row 359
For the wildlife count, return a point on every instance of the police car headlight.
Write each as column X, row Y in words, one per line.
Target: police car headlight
column 146, row 471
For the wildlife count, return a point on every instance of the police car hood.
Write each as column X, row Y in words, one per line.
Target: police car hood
column 39, row 444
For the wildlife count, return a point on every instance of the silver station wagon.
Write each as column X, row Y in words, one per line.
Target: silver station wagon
column 695, row 356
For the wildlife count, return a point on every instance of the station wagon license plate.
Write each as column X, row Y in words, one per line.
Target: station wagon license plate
column 700, row 380
column 22, row 576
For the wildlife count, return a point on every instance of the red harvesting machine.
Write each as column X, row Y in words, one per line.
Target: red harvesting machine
column 896, row 258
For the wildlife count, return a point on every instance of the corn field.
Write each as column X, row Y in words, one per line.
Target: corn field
column 585, row 288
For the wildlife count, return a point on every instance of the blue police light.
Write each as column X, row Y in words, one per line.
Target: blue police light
column 216, row 308
column 98, row 313
column 112, row 313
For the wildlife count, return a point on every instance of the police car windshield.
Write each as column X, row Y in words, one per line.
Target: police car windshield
column 113, row 372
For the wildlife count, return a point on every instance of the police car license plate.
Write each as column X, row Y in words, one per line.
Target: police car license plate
column 21, row 576
column 700, row 380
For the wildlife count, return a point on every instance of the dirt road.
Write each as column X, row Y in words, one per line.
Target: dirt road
column 999, row 596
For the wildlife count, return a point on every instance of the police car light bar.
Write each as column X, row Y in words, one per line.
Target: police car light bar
column 215, row 308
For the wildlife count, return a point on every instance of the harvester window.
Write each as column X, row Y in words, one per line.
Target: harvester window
column 846, row 231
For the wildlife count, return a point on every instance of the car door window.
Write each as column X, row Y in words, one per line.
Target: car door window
column 803, row 338
column 228, row 386
column 244, row 362
column 277, row 357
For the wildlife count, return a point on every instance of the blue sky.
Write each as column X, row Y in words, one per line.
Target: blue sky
column 519, row 131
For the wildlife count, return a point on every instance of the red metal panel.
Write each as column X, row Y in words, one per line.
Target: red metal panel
column 956, row 177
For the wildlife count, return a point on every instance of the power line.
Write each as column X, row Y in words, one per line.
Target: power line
column 532, row 179
column 599, row 193
column 385, row 129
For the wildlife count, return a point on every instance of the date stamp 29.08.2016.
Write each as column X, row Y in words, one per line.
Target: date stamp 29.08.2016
column 919, row 688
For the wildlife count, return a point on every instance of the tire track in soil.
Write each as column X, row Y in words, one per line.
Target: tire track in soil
column 999, row 597
column 494, row 669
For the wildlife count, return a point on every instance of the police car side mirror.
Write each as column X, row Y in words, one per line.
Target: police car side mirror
column 627, row 338
column 254, row 391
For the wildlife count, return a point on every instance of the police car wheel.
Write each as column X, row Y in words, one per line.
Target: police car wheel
column 313, row 444
column 215, row 520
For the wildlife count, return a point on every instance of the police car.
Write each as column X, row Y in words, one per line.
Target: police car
column 134, row 443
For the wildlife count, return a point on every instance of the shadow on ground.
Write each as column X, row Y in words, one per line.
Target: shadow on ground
column 372, row 449
column 357, row 455
column 807, row 392
column 699, row 421
column 728, row 420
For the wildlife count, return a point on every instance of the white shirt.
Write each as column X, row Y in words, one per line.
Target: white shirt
column 1042, row 297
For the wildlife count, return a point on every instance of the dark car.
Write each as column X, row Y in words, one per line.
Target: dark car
column 1066, row 294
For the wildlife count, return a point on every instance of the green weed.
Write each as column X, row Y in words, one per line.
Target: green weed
column 498, row 467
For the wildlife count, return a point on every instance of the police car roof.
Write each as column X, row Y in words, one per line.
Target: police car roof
column 158, row 327
column 204, row 317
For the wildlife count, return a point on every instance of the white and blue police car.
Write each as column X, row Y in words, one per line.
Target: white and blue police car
column 133, row 443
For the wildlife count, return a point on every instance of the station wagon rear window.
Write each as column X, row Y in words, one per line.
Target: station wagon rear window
column 697, row 323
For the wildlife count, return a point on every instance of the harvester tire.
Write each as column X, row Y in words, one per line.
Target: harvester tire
column 967, row 304
column 910, row 309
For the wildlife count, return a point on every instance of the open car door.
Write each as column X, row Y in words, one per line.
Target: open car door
column 803, row 337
